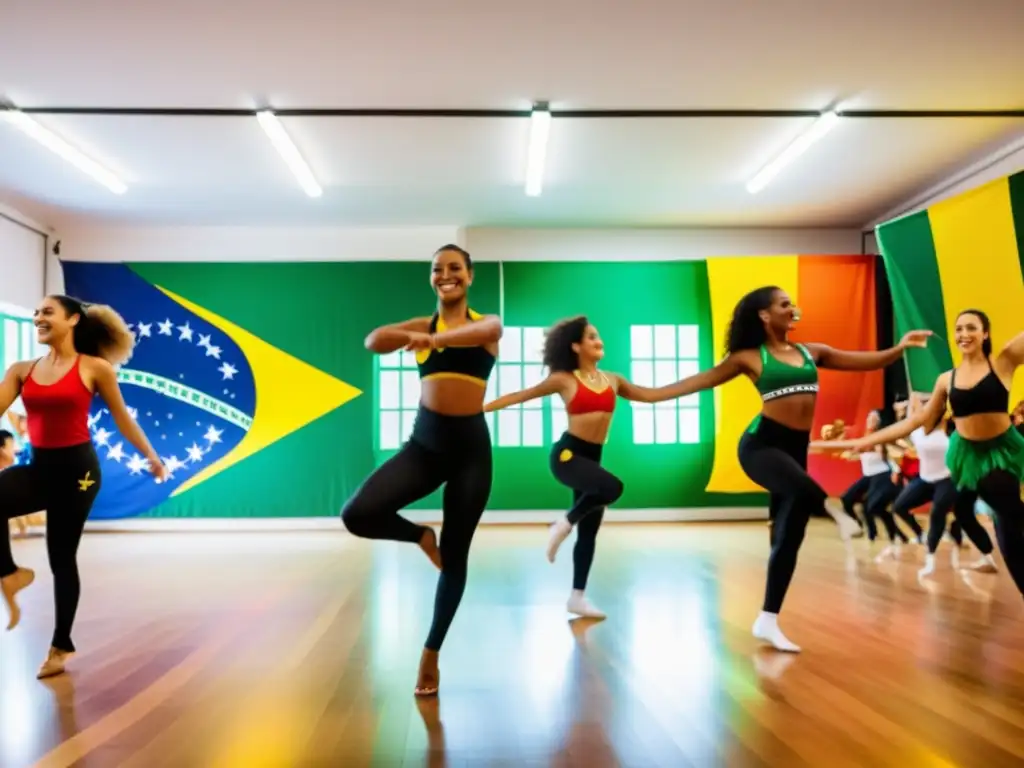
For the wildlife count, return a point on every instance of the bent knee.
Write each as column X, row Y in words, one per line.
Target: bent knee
column 612, row 491
column 354, row 515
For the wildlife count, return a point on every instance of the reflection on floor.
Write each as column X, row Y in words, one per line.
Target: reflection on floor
column 296, row 649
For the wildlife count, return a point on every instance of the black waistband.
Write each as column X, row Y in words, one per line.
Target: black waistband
column 578, row 446
column 451, row 434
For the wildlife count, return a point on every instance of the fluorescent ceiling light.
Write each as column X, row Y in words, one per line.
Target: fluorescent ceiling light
column 540, row 127
column 287, row 149
column 58, row 146
column 825, row 123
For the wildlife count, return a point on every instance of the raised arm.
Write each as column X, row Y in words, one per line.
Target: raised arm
column 108, row 389
column 391, row 338
column 844, row 360
column 929, row 415
column 555, row 382
column 1012, row 355
column 479, row 333
column 728, row 369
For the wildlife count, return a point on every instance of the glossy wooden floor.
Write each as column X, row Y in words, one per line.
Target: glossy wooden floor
column 300, row 649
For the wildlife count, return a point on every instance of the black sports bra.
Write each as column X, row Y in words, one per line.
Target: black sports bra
column 989, row 395
column 472, row 363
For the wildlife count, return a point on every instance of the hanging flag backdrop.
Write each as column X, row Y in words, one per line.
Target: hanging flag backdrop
column 253, row 383
column 962, row 253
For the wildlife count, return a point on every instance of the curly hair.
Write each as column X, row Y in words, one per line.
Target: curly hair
column 746, row 329
column 558, row 352
column 100, row 331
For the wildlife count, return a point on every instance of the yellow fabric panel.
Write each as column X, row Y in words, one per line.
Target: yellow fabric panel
column 738, row 402
column 979, row 268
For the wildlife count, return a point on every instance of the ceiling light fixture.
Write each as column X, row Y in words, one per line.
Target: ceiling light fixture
column 289, row 152
column 826, row 122
column 58, row 146
column 540, row 127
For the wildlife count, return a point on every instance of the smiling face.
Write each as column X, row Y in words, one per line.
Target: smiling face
column 52, row 321
column 781, row 315
column 970, row 333
column 449, row 277
column 874, row 421
column 590, row 348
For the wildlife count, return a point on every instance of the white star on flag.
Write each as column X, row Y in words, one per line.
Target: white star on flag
column 204, row 340
column 102, row 436
column 213, row 435
column 213, row 352
column 145, row 329
column 228, row 370
column 137, row 464
column 116, row 452
column 165, row 327
column 195, row 453
column 186, row 332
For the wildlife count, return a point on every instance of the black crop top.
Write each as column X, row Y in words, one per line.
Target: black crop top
column 989, row 395
column 474, row 363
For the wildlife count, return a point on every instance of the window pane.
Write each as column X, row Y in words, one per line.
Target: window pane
column 664, row 372
column 391, row 360
column 689, row 425
column 642, row 373
column 689, row 346
column 510, row 379
column 533, row 428
column 508, row 428
column 390, row 431
column 389, row 390
column 410, row 389
column 492, row 389
column 510, row 348
column 408, row 420
column 408, row 359
column 489, row 418
column 643, row 424
column 641, row 341
column 532, row 375
column 665, row 342
column 689, row 368
column 559, row 418
column 533, row 345
column 665, row 426
column 26, row 340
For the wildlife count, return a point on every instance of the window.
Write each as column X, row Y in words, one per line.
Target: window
column 519, row 366
column 17, row 342
column 662, row 354
column 398, row 398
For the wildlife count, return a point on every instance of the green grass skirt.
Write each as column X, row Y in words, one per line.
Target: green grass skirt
column 971, row 460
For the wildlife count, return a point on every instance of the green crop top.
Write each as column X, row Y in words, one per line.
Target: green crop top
column 779, row 379
column 472, row 363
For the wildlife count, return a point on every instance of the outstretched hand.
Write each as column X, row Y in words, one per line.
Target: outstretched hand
column 914, row 339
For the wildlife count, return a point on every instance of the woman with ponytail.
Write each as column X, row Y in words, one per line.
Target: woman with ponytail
column 86, row 342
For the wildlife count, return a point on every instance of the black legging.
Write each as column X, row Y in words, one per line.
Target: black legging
column 942, row 495
column 63, row 482
column 1001, row 491
column 455, row 451
column 854, row 495
column 775, row 457
column 576, row 463
column 882, row 492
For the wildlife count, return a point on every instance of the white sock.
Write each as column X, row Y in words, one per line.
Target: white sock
column 767, row 628
column 848, row 527
column 579, row 605
column 929, row 565
column 557, row 534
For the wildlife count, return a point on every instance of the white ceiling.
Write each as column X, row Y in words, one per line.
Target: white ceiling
column 579, row 54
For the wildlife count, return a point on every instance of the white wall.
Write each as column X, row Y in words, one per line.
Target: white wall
column 486, row 244
column 22, row 261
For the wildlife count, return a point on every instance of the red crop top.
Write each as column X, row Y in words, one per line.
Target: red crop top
column 587, row 400
column 57, row 414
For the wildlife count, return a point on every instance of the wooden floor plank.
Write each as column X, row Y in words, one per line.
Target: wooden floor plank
column 296, row 649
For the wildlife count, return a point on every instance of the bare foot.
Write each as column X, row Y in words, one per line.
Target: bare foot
column 10, row 586
column 428, row 543
column 428, row 680
column 54, row 664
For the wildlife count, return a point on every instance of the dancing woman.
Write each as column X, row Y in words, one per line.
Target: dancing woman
column 572, row 351
column 773, row 450
column 86, row 342
column 450, row 444
column 986, row 454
